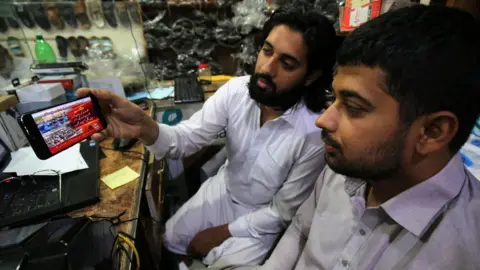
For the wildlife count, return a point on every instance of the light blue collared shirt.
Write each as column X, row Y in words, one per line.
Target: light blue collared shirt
column 433, row 225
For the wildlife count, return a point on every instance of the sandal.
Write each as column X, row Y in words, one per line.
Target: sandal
column 134, row 12
column 107, row 47
column 83, row 45
column 62, row 45
column 40, row 16
column 81, row 14
column 15, row 47
column 3, row 25
column 123, row 14
column 13, row 23
column 94, row 10
column 24, row 16
column 95, row 48
column 54, row 15
column 108, row 8
column 67, row 13
column 94, row 43
column 74, row 46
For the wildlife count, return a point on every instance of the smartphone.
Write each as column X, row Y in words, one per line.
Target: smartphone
column 56, row 128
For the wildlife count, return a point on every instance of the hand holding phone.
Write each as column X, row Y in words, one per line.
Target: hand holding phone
column 125, row 119
column 56, row 128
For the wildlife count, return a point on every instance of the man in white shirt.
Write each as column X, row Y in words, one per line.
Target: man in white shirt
column 274, row 150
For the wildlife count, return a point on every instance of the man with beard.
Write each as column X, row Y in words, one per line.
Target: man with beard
column 395, row 193
column 274, row 150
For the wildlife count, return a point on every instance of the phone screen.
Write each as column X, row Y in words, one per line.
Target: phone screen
column 67, row 124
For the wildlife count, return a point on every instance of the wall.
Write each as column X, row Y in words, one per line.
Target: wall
column 123, row 41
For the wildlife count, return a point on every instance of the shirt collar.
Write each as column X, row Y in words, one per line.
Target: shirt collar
column 418, row 207
column 293, row 114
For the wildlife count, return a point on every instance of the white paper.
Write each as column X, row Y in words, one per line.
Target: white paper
column 162, row 92
column 25, row 162
column 112, row 84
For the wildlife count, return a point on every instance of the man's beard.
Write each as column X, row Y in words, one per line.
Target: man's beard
column 379, row 162
column 282, row 100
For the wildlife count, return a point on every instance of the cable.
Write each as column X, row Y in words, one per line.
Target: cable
column 23, row 32
column 122, row 248
column 139, row 59
column 134, row 152
column 8, row 179
column 128, row 151
column 132, row 246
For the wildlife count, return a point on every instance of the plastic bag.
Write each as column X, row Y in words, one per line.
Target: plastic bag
column 249, row 15
column 329, row 8
column 226, row 34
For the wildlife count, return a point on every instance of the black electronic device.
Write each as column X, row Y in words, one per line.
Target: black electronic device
column 5, row 158
column 123, row 144
column 38, row 198
column 188, row 89
column 79, row 65
column 53, row 129
column 61, row 244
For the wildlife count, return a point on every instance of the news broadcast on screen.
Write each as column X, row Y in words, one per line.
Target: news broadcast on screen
column 68, row 124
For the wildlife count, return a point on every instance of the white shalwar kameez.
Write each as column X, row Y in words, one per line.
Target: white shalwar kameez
column 269, row 173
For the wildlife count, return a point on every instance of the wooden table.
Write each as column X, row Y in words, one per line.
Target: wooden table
column 124, row 198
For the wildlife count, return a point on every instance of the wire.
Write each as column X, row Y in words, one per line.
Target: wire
column 139, row 59
column 23, row 32
column 128, row 151
column 134, row 152
column 122, row 248
column 10, row 179
column 132, row 246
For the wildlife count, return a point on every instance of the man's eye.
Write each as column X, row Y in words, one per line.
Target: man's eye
column 330, row 99
column 352, row 110
column 267, row 51
column 287, row 66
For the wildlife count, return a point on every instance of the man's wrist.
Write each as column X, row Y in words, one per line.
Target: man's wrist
column 225, row 231
column 149, row 131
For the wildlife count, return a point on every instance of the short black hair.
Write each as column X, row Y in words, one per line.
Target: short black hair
column 430, row 55
column 320, row 39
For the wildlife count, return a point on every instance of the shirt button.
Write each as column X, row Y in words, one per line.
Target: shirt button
column 362, row 232
column 345, row 263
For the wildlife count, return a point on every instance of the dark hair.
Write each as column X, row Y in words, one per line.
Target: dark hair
column 320, row 39
column 431, row 59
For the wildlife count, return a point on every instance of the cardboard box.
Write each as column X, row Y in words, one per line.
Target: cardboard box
column 69, row 82
column 40, row 92
column 358, row 12
column 10, row 131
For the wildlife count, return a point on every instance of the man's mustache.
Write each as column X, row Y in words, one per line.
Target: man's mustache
column 268, row 80
column 328, row 140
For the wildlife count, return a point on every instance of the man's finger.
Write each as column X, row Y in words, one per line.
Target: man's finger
column 82, row 92
column 104, row 96
column 98, row 137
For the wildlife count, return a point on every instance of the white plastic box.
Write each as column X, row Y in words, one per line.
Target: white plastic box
column 40, row 92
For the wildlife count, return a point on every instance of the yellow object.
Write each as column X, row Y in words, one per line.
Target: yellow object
column 120, row 177
column 131, row 245
column 218, row 78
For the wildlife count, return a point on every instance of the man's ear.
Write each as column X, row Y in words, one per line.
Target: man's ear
column 313, row 76
column 438, row 131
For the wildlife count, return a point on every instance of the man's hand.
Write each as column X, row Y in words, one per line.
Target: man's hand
column 206, row 240
column 124, row 118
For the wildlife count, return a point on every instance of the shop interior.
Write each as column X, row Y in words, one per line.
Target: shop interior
column 167, row 57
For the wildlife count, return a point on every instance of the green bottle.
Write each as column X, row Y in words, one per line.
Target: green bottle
column 44, row 51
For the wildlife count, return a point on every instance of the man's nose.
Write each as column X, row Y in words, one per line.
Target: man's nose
column 270, row 67
column 328, row 119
